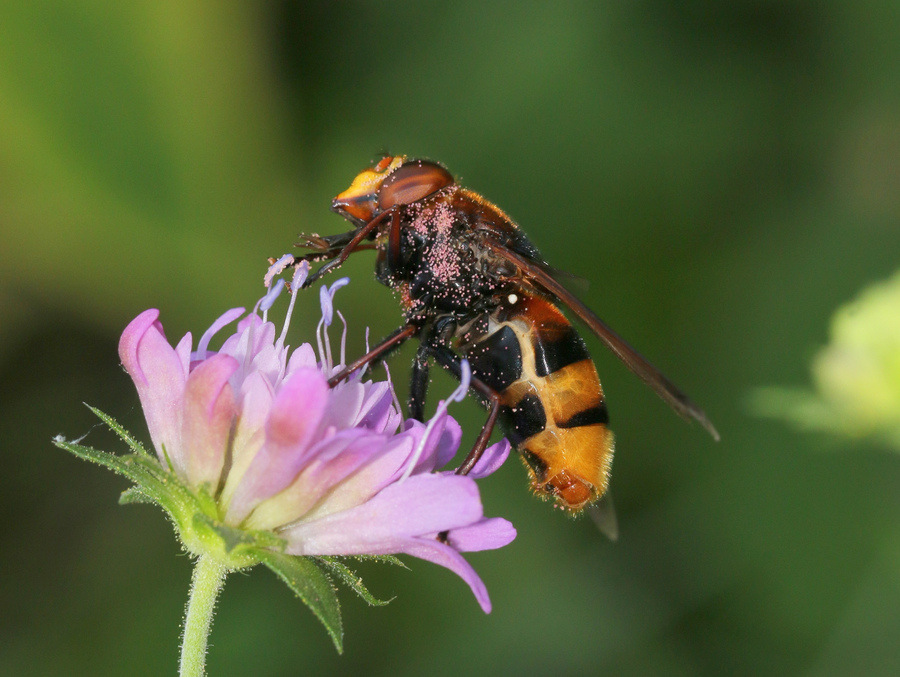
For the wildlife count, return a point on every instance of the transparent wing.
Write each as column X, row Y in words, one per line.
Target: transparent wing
column 603, row 513
column 543, row 279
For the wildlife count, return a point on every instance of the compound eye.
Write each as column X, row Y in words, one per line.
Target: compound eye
column 411, row 182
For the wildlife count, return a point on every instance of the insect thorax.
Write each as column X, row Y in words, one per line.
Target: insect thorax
column 441, row 269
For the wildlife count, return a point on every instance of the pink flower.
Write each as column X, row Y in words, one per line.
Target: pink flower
column 332, row 471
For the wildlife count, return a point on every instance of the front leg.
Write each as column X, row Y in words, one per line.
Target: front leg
column 324, row 247
column 325, row 242
column 353, row 244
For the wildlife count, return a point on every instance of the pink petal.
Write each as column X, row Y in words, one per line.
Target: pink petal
column 494, row 456
column 330, row 462
column 339, row 457
column 444, row 446
column 380, row 470
column 183, row 352
column 433, row 448
column 210, row 410
column 297, row 410
column 422, row 504
column 303, row 356
column 293, row 421
column 378, row 408
column 256, row 397
column 344, row 408
column 488, row 534
column 438, row 553
column 130, row 340
column 432, row 550
column 159, row 375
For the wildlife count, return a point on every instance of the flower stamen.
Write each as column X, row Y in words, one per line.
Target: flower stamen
column 268, row 300
column 343, row 339
column 223, row 320
column 278, row 266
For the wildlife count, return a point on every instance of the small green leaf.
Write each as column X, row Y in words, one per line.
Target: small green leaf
column 117, row 428
column 134, row 495
column 119, row 464
column 384, row 559
column 351, row 579
column 313, row 588
column 145, row 471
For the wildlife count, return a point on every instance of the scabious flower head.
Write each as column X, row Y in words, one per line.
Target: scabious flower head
column 255, row 432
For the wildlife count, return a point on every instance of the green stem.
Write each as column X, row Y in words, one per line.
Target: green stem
column 205, row 585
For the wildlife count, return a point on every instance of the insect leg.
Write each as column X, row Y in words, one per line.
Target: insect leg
column 324, row 243
column 418, row 384
column 451, row 361
column 325, row 254
column 394, row 340
column 324, row 247
column 349, row 248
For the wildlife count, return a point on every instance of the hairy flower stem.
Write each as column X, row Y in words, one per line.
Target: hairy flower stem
column 209, row 575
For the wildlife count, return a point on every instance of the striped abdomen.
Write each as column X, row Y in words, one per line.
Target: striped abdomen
column 552, row 406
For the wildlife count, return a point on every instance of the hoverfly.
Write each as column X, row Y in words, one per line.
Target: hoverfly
column 473, row 286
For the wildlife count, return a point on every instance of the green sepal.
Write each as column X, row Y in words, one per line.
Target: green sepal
column 383, row 559
column 157, row 485
column 133, row 495
column 238, row 548
column 311, row 584
column 123, row 434
column 351, row 579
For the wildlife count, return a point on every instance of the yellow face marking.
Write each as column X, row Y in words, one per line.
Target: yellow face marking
column 369, row 181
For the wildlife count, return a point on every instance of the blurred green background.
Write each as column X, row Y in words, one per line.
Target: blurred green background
column 723, row 174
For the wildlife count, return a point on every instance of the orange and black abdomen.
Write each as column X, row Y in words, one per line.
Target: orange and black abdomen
column 552, row 406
